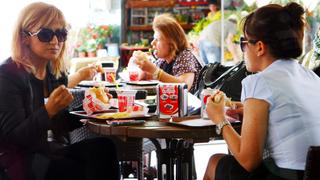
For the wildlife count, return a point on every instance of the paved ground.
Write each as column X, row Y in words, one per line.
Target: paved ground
column 202, row 153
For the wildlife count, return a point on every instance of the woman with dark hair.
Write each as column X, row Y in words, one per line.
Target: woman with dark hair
column 34, row 100
column 279, row 103
column 176, row 62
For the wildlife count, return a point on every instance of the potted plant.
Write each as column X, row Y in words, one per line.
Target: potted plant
column 81, row 49
column 91, row 47
column 103, row 33
column 92, row 38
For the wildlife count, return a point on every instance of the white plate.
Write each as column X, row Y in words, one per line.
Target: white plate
column 97, row 83
column 143, row 83
column 195, row 123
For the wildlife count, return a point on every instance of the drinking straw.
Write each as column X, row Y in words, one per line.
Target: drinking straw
column 114, row 81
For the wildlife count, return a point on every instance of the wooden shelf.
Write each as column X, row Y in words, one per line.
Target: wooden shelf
column 192, row 3
column 149, row 3
column 141, row 28
column 149, row 27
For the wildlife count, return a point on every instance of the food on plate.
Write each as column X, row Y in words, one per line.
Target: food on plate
column 219, row 95
column 117, row 115
column 100, row 94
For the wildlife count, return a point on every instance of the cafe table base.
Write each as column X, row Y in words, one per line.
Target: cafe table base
column 179, row 142
column 178, row 152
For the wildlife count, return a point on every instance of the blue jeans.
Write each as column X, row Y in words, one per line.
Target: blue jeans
column 209, row 52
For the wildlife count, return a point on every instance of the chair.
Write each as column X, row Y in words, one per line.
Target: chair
column 3, row 171
column 129, row 150
column 3, row 174
column 312, row 170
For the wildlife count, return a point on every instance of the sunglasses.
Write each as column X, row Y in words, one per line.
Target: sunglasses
column 244, row 41
column 46, row 35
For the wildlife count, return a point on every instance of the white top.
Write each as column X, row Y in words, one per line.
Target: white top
column 212, row 32
column 293, row 94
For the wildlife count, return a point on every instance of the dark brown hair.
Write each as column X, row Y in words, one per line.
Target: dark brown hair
column 281, row 28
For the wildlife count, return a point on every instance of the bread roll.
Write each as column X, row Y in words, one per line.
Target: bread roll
column 227, row 101
column 141, row 56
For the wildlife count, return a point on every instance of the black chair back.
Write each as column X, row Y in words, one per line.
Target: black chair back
column 3, row 174
column 312, row 170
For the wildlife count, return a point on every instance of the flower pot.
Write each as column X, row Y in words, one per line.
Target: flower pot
column 100, row 46
column 92, row 54
column 82, row 54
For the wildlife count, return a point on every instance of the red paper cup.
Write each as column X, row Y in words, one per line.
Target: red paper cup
column 126, row 100
column 109, row 74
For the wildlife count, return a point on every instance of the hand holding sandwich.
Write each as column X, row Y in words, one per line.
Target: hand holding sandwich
column 215, row 107
column 142, row 60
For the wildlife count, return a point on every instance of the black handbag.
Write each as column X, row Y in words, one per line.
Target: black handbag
column 225, row 78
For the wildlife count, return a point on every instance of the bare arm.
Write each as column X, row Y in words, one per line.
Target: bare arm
column 149, row 68
column 187, row 78
column 85, row 73
column 247, row 148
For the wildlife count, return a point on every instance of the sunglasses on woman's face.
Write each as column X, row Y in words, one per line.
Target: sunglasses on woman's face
column 46, row 35
column 244, row 41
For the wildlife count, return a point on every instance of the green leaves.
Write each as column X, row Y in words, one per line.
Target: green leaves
column 92, row 37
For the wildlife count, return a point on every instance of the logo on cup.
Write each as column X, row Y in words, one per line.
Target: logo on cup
column 126, row 100
column 134, row 75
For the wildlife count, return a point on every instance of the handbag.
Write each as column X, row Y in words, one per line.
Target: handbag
column 225, row 78
column 209, row 73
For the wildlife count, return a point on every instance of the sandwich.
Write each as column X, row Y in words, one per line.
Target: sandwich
column 227, row 101
column 100, row 94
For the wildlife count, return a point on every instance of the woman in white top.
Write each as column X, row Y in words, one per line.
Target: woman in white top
column 279, row 105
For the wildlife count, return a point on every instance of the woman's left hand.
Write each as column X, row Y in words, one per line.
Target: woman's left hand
column 88, row 72
column 215, row 110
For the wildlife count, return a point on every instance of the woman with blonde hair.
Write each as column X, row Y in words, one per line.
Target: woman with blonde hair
column 175, row 60
column 34, row 99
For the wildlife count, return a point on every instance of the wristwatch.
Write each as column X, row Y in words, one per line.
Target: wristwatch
column 221, row 125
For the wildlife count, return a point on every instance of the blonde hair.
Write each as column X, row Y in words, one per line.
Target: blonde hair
column 36, row 15
column 171, row 30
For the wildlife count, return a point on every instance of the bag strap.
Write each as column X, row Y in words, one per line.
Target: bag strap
column 226, row 74
column 202, row 74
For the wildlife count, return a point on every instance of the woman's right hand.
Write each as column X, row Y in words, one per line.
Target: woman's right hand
column 59, row 99
column 141, row 59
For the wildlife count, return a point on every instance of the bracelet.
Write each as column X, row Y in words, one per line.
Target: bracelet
column 160, row 73
column 156, row 73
